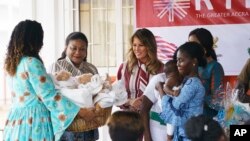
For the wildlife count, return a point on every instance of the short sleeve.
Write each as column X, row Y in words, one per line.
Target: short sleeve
column 150, row 89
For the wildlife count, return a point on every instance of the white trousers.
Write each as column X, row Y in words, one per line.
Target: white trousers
column 158, row 131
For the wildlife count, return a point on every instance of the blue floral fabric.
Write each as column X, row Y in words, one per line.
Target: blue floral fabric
column 38, row 111
column 177, row 110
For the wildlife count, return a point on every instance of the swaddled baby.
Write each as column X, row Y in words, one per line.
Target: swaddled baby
column 83, row 88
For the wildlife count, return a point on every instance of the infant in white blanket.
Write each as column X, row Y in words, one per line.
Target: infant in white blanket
column 87, row 89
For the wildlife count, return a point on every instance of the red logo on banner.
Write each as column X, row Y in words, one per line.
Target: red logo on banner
column 157, row 13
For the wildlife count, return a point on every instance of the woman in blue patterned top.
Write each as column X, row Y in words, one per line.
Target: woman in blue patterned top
column 38, row 112
column 177, row 110
column 213, row 74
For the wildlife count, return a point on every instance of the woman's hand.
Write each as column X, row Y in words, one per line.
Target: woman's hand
column 177, row 92
column 132, row 104
column 145, row 110
column 87, row 114
column 169, row 91
column 159, row 88
column 135, row 104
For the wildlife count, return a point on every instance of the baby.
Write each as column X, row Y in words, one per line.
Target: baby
column 64, row 79
column 65, row 76
column 173, row 80
column 82, row 88
column 170, row 87
column 88, row 90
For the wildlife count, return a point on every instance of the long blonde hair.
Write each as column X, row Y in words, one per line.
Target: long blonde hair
column 148, row 40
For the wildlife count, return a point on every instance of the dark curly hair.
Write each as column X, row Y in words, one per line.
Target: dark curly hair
column 26, row 40
column 206, row 40
column 74, row 36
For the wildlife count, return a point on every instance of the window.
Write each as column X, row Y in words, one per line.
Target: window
column 127, row 24
column 108, row 25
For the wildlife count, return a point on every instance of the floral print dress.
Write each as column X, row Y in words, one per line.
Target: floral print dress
column 38, row 111
column 177, row 110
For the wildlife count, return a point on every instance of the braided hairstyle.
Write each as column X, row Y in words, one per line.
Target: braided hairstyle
column 26, row 40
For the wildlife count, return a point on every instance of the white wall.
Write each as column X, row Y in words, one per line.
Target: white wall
column 51, row 14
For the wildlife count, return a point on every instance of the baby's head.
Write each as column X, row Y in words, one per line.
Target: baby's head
column 62, row 75
column 171, row 67
column 172, row 74
column 84, row 78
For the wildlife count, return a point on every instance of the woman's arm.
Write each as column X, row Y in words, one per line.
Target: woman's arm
column 217, row 78
column 62, row 110
column 87, row 114
column 159, row 87
column 168, row 87
column 148, row 100
column 190, row 88
column 145, row 109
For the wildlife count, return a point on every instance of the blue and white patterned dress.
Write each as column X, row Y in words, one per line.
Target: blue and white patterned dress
column 38, row 111
column 177, row 110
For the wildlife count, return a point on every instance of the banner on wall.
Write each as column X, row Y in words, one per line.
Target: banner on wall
column 172, row 20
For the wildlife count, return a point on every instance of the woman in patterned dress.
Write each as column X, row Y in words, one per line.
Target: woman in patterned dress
column 38, row 111
column 177, row 110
